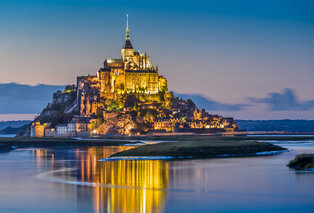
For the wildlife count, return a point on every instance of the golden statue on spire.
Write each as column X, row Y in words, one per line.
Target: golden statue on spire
column 127, row 36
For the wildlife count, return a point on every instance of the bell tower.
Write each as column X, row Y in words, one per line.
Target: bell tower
column 127, row 50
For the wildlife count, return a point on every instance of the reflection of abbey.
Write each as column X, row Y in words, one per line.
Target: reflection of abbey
column 132, row 73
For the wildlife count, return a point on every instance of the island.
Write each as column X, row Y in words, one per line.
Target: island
column 127, row 96
column 203, row 148
column 302, row 162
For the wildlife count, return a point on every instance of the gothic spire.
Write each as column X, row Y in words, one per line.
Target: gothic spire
column 127, row 35
column 127, row 44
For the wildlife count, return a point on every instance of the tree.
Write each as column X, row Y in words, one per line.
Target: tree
column 113, row 106
column 70, row 88
column 130, row 100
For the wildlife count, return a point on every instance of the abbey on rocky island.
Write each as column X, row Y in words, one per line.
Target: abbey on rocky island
column 127, row 96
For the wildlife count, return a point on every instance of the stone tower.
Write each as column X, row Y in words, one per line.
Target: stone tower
column 127, row 50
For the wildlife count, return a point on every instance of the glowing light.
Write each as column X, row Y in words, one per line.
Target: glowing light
column 142, row 179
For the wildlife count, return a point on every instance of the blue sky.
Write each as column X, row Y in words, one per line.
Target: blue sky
column 231, row 52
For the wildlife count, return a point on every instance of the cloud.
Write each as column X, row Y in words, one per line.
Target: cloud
column 25, row 99
column 20, row 98
column 285, row 101
column 210, row 105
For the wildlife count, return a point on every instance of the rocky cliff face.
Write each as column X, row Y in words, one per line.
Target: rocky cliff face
column 116, row 124
column 125, row 114
column 60, row 110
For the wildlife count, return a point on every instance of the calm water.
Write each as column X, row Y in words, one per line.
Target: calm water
column 73, row 180
column 7, row 135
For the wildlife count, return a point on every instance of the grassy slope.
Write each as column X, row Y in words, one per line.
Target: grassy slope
column 201, row 148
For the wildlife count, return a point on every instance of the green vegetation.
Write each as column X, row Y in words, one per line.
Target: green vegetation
column 149, row 115
column 70, row 88
column 131, row 100
column 202, row 148
column 96, row 123
column 113, row 106
column 123, row 100
column 302, row 161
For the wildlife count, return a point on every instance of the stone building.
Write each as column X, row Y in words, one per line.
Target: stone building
column 61, row 130
column 81, row 123
column 50, row 132
column 68, row 129
column 132, row 73
column 38, row 129
column 167, row 124
column 200, row 114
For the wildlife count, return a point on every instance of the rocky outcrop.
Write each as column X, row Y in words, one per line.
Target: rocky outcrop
column 116, row 124
column 61, row 110
column 302, row 161
column 25, row 132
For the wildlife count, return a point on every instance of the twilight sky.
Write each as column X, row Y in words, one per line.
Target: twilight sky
column 254, row 55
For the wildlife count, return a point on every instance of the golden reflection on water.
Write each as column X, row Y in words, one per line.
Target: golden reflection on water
column 41, row 156
column 137, row 185
column 121, row 186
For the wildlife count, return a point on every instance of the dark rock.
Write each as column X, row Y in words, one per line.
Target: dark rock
column 5, row 148
column 302, row 161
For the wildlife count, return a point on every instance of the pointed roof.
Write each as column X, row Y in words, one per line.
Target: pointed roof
column 127, row 44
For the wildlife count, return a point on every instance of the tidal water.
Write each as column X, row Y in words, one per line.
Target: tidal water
column 7, row 135
column 74, row 180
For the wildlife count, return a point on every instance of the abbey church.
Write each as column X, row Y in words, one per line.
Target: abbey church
column 132, row 73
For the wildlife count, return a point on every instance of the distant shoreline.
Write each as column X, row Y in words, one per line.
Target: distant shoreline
column 170, row 134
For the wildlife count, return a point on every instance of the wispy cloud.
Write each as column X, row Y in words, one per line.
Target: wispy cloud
column 287, row 100
column 18, row 98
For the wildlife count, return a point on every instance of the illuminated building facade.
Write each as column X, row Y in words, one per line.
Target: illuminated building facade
column 132, row 73
column 38, row 129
